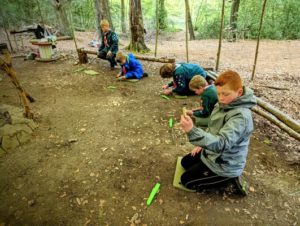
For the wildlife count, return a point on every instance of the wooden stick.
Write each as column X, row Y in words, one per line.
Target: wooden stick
column 220, row 36
column 274, row 87
column 278, row 114
column 186, row 33
column 5, row 65
column 278, row 123
column 161, row 60
column 258, row 39
column 157, row 29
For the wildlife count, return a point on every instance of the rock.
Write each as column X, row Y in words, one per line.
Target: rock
column 9, row 143
column 31, row 202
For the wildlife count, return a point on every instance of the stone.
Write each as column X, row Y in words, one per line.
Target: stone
column 9, row 143
column 23, row 137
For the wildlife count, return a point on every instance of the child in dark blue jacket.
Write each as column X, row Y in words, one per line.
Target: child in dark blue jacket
column 182, row 74
column 131, row 68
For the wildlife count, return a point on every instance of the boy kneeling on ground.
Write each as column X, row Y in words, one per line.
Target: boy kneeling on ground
column 131, row 68
column 221, row 151
column 208, row 99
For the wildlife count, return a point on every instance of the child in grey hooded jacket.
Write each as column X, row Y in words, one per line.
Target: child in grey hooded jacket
column 221, row 151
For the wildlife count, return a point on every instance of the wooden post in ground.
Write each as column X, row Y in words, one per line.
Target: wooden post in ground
column 258, row 39
column 220, row 36
column 186, row 34
column 157, row 28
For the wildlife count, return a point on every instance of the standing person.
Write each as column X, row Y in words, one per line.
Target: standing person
column 221, row 151
column 109, row 44
column 182, row 73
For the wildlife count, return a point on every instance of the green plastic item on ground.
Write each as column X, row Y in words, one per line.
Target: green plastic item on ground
column 170, row 122
column 164, row 97
column 154, row 191
column 80, row 69
column 180, row 97
column 91, row 72
column 111, row 87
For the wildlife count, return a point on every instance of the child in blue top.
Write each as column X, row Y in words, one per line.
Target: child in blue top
column 182, row 74
column 131, row 68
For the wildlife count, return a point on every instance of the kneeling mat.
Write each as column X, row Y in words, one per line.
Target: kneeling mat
column 178, row 172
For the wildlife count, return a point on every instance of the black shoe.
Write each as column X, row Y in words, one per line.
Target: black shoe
column 145, row 75
column 240, row 185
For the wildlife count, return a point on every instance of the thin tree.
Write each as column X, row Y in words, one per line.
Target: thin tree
column 234, row 18
column 123, row 23
column 60, row 7
column 137, row 40
column 220, row 36
column 258, row 38
column 102, row 12
column 157, row 27
column 162, row 15
column 189, row 20
column 186, row 34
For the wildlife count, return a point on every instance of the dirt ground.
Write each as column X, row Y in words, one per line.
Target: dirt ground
column 123, row 146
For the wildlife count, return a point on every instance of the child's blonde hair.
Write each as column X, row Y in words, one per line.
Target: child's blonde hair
column 120, row 56
column 104, row 22
column 197, row 82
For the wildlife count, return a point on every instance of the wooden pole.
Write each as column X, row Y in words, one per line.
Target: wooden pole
column 258, row 39
column 157, row 29
column 280, row 115
column 186, row 34
column 6, row 66
column 8, row 39
column 220, row 36
column 278, row 123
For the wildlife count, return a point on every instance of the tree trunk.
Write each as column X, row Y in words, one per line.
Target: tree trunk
column 220, row 36
column 103, row 12
column 137, row 42
column 233, row 18
column 60, row 7
column 162, row 15
column 123, row 23
column 189, row 20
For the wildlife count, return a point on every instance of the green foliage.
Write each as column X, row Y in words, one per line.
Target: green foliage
column 281, row 21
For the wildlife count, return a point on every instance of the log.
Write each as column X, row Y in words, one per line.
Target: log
column 274, row 87
column 280, row 115
column 61, row 38
column 153, row 59
column 278, row 123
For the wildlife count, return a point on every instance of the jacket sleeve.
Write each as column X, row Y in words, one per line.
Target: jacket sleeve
column 170, row 84
column 114, row 45
column 205, row 104
column 232, row 131
column 180, row 84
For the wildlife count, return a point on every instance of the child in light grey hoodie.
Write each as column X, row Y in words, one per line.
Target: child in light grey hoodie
column 221, row 151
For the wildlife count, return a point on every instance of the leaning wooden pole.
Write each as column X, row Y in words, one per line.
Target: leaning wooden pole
column 220, row 36
column 278, row 123
column 157, row 28
column 6, row 66
column 280, row 115
column 258, row 39
column 186, row 34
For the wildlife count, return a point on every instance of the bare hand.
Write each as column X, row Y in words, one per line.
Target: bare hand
column 189, row 112
column 118, row 75
column 167, row 91
column 165, row 87
column 186, row 123
column 122, row 78
column 195, row 151
column 109, row 53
